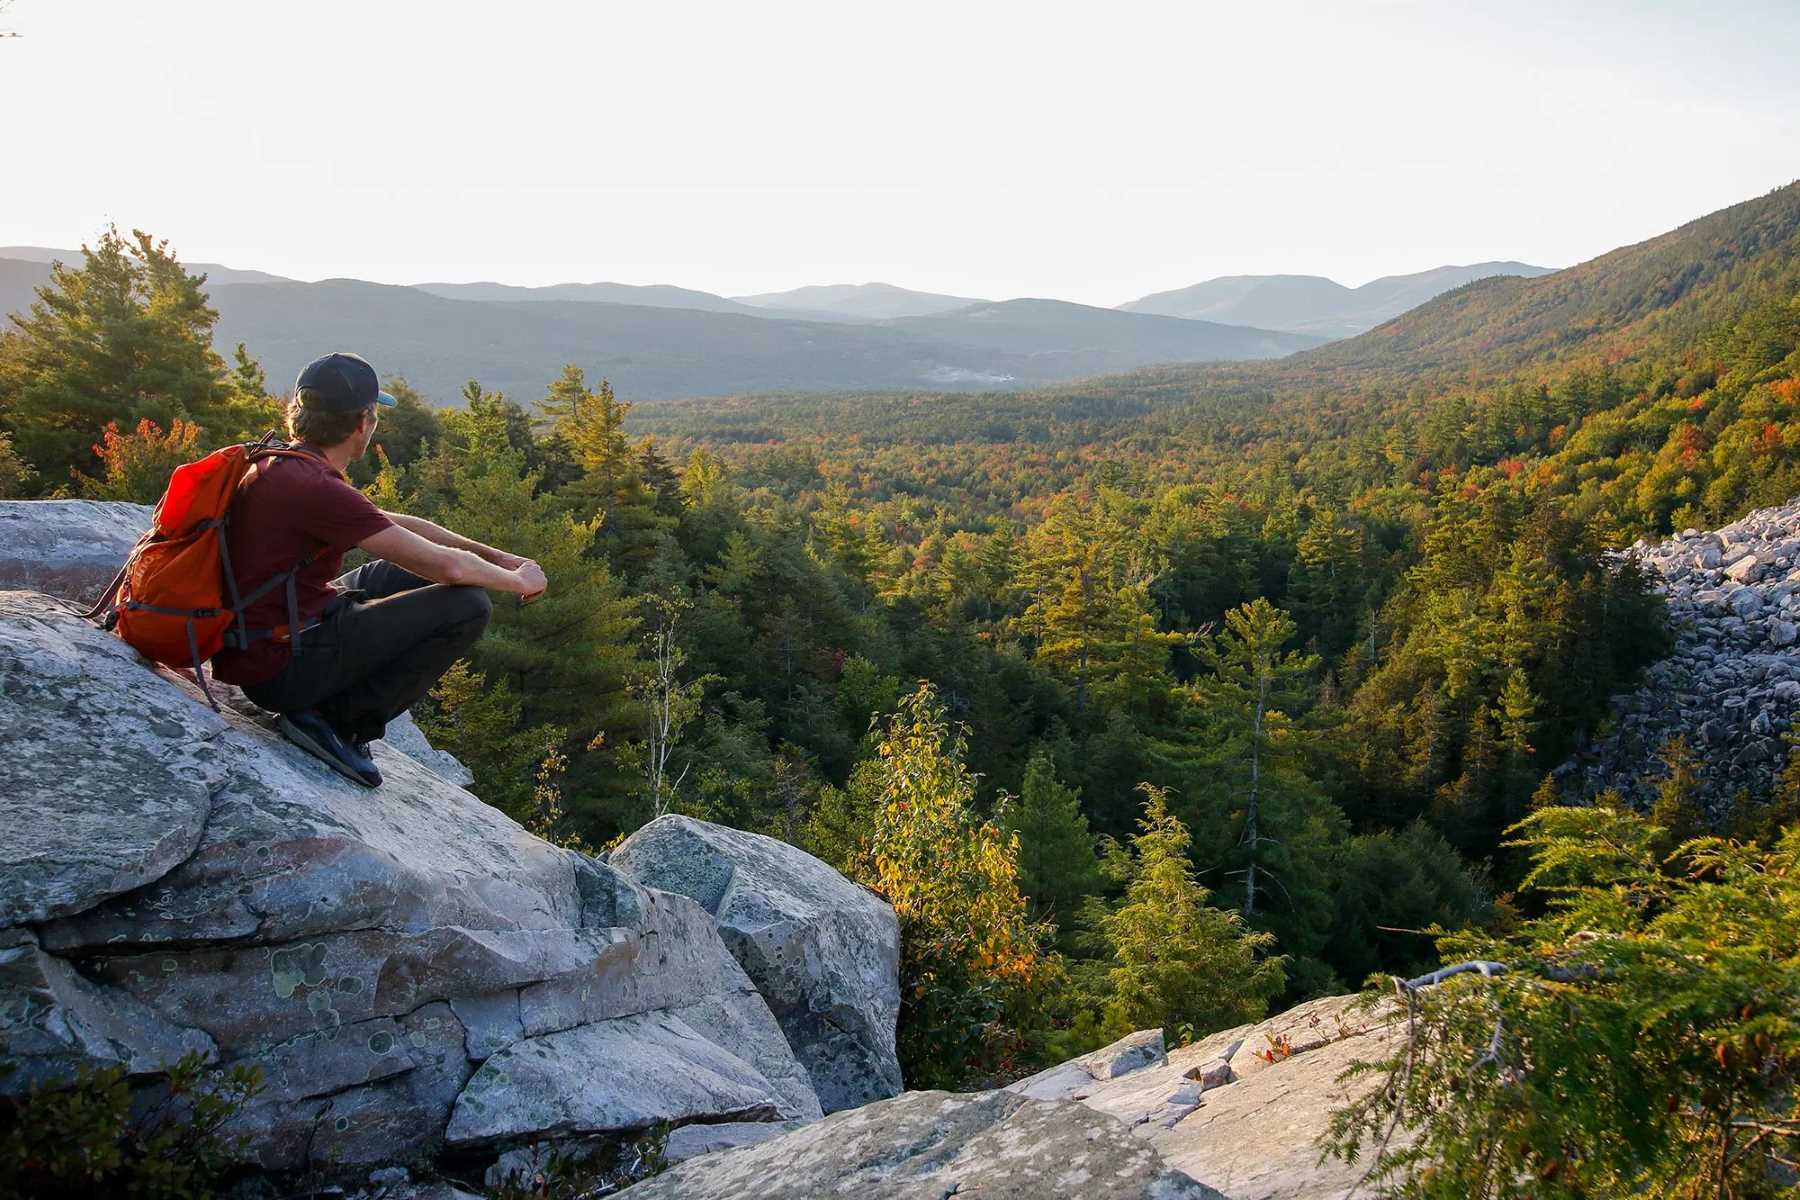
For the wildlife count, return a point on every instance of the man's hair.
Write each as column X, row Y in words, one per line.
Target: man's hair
column 319, row 427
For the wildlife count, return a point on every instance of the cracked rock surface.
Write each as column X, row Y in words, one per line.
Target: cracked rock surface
column 176, row 880
column 823, row 952
column 1236, row 1115
column 1732, row 683
column 1243, row 1109
column 992, row 1145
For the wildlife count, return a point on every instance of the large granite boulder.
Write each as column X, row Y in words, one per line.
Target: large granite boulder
column 824, row 953
column 72, row 549
column 994, row 1145
column 408, row 967
column 68, row 548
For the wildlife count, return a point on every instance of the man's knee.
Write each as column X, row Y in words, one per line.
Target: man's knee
column 469, row 606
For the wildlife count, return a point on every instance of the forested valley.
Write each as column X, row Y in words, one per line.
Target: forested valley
column 1164, row 699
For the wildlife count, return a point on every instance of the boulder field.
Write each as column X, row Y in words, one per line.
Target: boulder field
column 1731, row 684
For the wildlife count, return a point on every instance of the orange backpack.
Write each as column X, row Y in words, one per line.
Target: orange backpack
column 175, row 601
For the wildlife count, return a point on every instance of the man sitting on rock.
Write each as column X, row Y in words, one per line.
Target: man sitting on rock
column 370, row 643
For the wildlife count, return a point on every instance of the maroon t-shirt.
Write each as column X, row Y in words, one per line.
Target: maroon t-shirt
column 286, row 509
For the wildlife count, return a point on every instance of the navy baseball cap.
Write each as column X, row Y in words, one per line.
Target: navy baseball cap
column 339, row 383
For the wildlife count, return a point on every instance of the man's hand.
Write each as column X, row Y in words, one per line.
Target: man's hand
column 505, row 561
column 531, row 580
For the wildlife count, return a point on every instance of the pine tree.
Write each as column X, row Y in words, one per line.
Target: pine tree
column 1057, row 861
column 569, row 657
column 1676, row 808
column 1181, row 964
column 125, row 337
column 612, row 482
column 1638, row 1041
column 1248, row 692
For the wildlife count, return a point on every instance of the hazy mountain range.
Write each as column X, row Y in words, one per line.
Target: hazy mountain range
column 660, row 341
column 1314, row 304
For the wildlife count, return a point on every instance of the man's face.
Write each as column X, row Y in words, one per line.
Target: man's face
column 371, row 420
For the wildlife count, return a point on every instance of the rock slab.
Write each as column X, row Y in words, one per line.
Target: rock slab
column 995, row 1145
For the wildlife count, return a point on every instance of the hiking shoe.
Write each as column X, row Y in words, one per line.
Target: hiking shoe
column 314, row 734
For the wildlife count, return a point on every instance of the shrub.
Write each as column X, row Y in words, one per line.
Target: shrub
column 84, row 1138
column 136, row 466
column 972, row 965
column 1642, row 1038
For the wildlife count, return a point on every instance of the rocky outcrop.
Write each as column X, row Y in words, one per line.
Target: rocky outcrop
column 72, row 549
column 408, row 967
column 1239, row 1114
column 68, row 548
column 1732, row 683
column 1242, row 1110
column 823, row 952
column 995, row 1145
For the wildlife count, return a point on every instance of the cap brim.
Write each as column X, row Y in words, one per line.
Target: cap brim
column 384, row 398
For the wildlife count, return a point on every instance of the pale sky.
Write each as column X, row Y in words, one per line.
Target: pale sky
column 1090, row 151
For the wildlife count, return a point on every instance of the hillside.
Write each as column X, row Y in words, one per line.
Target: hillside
column 1664, row 292
column 859, row 301
column 1314, row 304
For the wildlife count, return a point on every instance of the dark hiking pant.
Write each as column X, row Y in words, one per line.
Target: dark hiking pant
column 377, row 650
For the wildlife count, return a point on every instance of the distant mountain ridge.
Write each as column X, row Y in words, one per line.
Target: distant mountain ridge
column 1314, row 304
column 656, row 353
column 214, row 272
column 861, row 301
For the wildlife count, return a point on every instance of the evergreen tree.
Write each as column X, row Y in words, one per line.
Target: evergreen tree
column 1638, row 1041
column 1181, row 964
column 1057, row 861
column 125, row 337
column 570, row 656
column 1249, row 692
column 1676, row 809
column 591, row 423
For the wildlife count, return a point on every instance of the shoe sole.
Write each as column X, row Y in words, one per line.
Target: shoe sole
column 298, row 736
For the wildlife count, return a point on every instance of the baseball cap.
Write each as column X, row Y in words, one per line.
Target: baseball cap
column 339, row 383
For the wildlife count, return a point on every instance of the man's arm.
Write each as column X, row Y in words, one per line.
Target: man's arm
column 451, row 564
column 438, row 535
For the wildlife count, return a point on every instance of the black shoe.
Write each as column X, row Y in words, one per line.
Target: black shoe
column 366, row 752
column 311, row 732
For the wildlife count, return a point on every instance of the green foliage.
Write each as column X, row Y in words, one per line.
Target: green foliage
column 480, row 718
column 125, row 337
column 15, row 477
column 86, row 1137
column 1181, row 964
column 569, row 657
column 1641, row 1040
column 1057, row 862
column 971, row 960
column 612, row 483
column 1391, row 888
column 1349, row 613
column 1676, row 809
column 1273, row 829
